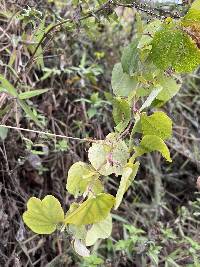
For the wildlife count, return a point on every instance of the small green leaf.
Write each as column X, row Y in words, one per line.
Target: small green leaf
column 93, row 210
column 42, row 217
column 130, row 58
column 7, row 86
column 37, row 37
column 29, row 112
column 79, row 177
column 29, row 94
column 91, row 112
column 3, row 133
column 121, row 113
column 151, row 143
column 172, row 47
column 127, row 178
column 153, row 253
column 122, row 83
column 151, row 98
column 158, row 124
column 109, row 156
column 102, row 230
column 169, row 88
column 93, row 261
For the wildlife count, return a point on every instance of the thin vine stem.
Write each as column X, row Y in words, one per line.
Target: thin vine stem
column 48, row 134
column 150, row 11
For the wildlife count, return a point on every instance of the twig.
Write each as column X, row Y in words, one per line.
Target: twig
column 49, row 134
column 150, row 11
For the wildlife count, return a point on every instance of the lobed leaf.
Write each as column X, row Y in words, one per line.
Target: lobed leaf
column 42, row 217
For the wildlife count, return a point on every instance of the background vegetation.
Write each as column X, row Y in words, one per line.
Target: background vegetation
column 158, row 221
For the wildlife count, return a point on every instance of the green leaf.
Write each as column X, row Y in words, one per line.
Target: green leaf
column 7, row 86
column 5, row 110
column 37, row 37
column 196, row 5
column 158, row 124
column 139, row 24
column 3, row 133
column 151, row 98
column 171, row 262
column 96, row 187
column 93, row 210
column 121, row 113
column 91, row 112
column 169, row 88
column 127, row 178
column 153, row 253
column 42, row 217
column 29, row 112
column 29, row 94
column 122, row 83
column 93, row 261
column 78, row 232
column 109, row 156
column 130, row 58
column 148, row 34
column 172, row 47
column 102, row 230
column 193, row 14
column 79, row 177
column 151, row 143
